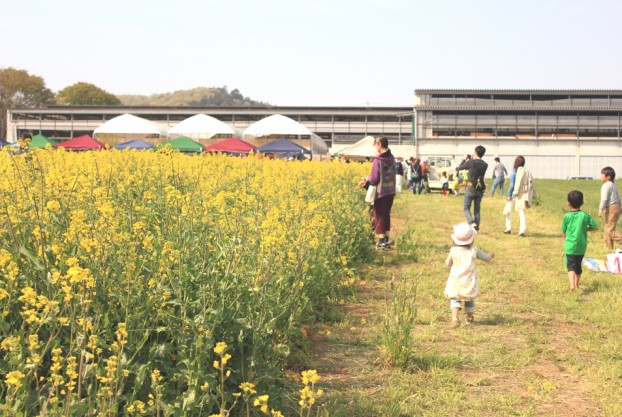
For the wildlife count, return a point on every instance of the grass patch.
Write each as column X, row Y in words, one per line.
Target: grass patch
column 535, row 349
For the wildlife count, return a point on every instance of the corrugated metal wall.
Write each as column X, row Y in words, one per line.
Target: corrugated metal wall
column 553, row 159
column 591, row 165
column 553, row 167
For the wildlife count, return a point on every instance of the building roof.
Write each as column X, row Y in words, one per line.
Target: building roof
column 149, row 111
column 517, row 108
column 516, row 91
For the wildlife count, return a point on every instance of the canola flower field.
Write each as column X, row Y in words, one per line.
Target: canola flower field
column 155, row 283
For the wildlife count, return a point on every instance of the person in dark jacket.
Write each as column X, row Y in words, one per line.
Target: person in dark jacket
column 383, row 177
column 475, row 185
column 416, row 174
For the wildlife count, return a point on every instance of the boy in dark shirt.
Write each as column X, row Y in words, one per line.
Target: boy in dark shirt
column 475, row 185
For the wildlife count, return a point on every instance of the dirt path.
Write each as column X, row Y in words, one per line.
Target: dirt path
column 521, row 357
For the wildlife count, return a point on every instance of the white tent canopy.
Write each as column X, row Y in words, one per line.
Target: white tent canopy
column 276, row 125
column 128, row 124
column 201, row 126
column 279, row 125
column 363, row 148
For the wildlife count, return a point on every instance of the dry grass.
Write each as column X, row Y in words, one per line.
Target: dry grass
column 536, row 349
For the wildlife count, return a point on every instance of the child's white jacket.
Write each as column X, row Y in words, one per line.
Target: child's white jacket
column 462, row 283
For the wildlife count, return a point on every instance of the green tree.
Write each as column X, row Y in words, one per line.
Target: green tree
column 20, row 89
column 199, row 96
column 236, row 95
column 84, row 94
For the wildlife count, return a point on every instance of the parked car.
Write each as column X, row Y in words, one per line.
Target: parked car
column 438, row 165
column 442, row 164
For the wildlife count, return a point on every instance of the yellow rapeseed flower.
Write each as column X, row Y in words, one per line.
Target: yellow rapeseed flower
column 262, row 403
column 310, row 377
column 248, row 387
column 14, row 379
column 220, row 348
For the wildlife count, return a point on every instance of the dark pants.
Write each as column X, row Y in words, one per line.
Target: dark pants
column 382, row 214
column 417, row 186
column 472, row 196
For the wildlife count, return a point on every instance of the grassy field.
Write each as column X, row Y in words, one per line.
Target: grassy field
column 536, row 349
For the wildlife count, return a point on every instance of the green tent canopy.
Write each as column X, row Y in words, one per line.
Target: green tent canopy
column 40, row 141
column 183, row 144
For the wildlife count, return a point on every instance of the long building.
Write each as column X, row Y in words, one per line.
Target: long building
column 561, row 133
column 336, row 125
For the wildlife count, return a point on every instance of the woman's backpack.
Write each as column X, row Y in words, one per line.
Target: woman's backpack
column 415, row 172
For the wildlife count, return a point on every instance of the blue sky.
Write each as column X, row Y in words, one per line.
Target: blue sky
column 316, row 52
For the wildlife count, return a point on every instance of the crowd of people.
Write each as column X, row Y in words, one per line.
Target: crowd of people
column 389, row 175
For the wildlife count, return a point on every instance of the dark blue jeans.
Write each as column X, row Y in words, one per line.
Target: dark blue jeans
column 417, row 186
column 475, row 197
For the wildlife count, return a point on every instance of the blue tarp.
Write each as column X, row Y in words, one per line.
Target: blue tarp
column 134, row 144
column 284, row 148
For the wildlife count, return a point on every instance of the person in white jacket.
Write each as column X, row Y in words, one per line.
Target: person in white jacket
column 520, row 196
column 462, row 285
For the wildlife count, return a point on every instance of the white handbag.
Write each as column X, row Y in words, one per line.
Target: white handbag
column 613, row 263
column 371, row 194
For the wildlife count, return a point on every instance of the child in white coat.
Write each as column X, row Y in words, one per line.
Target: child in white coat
column 462, row 285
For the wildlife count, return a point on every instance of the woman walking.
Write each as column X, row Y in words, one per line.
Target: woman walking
column 383, row 177
column 416, row 176
column 520, row 196
column 499, row 174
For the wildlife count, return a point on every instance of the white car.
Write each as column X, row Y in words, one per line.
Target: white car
column 438, row 165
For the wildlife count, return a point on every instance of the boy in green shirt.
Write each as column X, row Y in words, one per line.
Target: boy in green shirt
column 575, row 226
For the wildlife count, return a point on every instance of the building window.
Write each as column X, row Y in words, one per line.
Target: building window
column 315, row 118
column 179, row 117
column 446, row 99
column 81, row 116
column 384, row 118
column 349, row 118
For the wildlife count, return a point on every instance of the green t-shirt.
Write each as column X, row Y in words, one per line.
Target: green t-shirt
column 575, row 225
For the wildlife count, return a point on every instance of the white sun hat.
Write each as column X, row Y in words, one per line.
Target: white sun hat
column 463, row 234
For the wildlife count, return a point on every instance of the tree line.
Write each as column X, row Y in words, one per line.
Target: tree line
column 19, row 89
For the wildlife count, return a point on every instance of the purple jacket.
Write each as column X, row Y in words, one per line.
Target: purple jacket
column 383, row 174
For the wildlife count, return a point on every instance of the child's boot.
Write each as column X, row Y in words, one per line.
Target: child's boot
column 469, row 318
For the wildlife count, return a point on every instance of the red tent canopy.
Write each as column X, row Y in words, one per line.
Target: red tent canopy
column 231, row 145
column 81, row 143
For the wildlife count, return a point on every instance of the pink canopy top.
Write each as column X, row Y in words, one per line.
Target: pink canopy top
column 81, row 143
column 230, row 145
